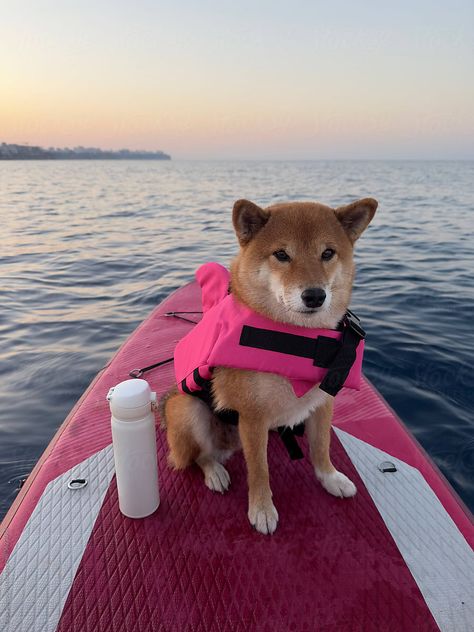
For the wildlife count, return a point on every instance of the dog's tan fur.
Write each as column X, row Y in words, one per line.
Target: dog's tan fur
column 264, row 401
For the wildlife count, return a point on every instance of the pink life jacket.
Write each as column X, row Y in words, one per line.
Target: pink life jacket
column 232, row 335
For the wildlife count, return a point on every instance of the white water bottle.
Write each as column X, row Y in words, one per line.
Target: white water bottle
column 134, row 441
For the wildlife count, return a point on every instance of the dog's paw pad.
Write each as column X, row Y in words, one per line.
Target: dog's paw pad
column 217, row 478
column 337, row 484
column 264, row 519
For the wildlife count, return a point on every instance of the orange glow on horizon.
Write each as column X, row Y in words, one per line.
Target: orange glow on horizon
column 240, row 90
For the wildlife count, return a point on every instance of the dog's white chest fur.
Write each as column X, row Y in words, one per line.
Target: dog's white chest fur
column 286, row 408
column 300, row 408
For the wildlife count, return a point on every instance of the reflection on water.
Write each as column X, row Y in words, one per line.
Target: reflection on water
column 88, row 248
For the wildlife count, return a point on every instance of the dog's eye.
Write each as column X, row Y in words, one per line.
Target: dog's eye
column 328, row 254
column 281, row 255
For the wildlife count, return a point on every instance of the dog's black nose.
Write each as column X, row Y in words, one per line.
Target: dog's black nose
column 313, row 297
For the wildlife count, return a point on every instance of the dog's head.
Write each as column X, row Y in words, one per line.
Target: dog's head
column 296, row 259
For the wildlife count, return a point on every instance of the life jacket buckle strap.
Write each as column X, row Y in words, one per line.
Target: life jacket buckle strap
column 345, row 357
column 353, row 322
column 288, row 436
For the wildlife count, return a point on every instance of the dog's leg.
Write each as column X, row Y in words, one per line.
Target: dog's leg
column 261, row 513
column 192, row 434
column 318, row 427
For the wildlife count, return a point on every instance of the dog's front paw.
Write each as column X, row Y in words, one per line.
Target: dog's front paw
column 263, row 517
column 337, row 483
column 216, row 477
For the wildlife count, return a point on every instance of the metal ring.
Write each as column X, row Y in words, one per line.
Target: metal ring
column 136, row 373
column 77, row 483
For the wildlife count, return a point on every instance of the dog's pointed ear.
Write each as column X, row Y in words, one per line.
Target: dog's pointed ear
column 356, row 217
column 248, row 219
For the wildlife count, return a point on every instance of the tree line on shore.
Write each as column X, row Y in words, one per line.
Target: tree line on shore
column 10, row 151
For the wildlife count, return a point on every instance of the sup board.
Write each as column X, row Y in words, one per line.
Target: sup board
column 396, row 557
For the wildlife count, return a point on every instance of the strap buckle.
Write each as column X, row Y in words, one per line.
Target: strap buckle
column 353, row 322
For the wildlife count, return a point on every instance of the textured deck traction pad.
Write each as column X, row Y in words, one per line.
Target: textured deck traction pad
column 197, row 564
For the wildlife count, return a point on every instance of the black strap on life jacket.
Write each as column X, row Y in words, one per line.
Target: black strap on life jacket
column 336, row 355
column 288, row 436
column 341, row 363
column 322, row 350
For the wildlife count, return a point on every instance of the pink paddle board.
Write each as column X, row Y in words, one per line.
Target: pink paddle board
column 398, row 556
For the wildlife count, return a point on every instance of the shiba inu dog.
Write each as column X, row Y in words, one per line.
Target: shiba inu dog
column 295, row 265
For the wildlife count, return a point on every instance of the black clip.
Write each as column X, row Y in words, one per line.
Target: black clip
column 353, row 322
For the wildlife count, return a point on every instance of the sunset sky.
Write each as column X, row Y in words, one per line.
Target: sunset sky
column 243, row 79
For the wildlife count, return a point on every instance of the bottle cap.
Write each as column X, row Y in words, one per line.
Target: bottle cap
column 130, row 394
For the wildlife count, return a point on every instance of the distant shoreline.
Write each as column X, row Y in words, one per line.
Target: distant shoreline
column 27, row 152
column 83, row 158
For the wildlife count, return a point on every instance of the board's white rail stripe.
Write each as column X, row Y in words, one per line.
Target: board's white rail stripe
column 435, row 551
column 40, row 571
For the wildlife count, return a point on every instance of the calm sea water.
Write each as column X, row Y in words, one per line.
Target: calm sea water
column 87, row 249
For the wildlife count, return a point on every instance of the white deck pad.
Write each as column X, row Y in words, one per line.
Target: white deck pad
column 435, row 551
column 40, row 570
